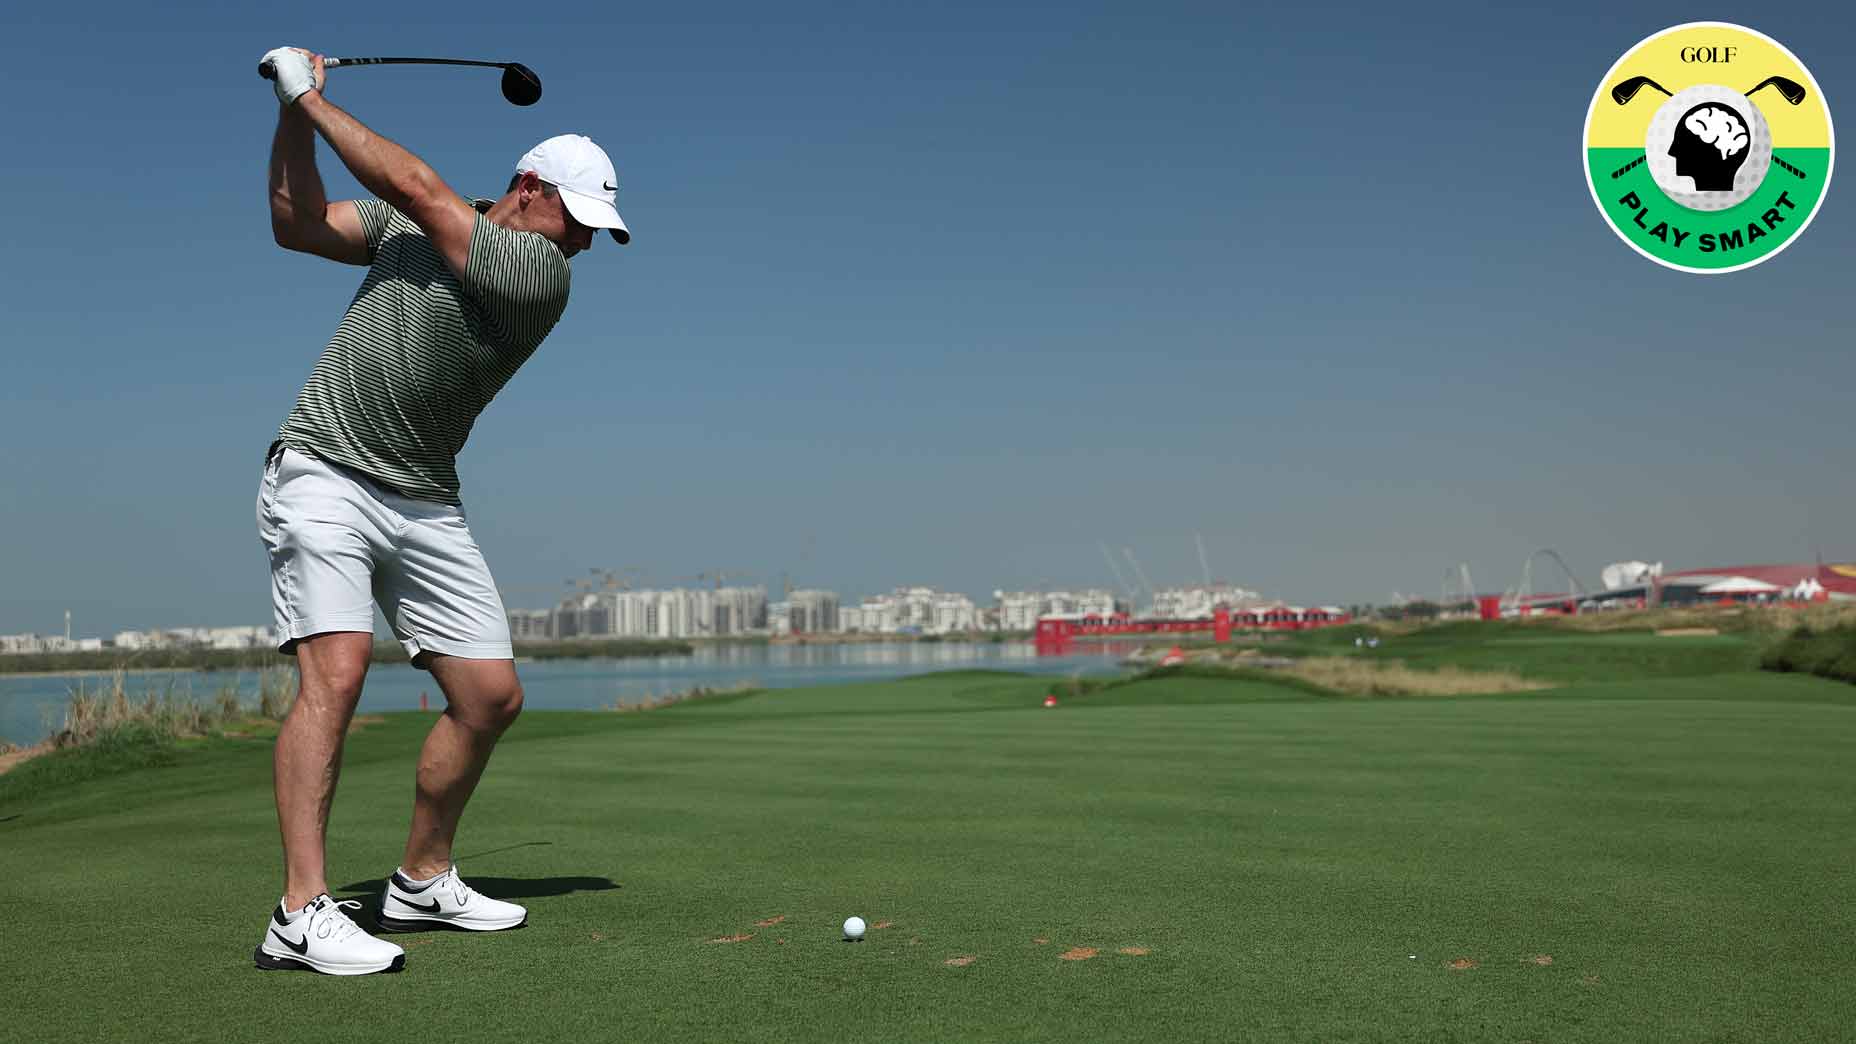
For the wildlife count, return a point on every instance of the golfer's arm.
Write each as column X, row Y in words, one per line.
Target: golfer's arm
column 302, row 218
column 398, row 177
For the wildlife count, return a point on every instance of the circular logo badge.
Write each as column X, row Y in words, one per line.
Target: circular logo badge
column 1708, row 147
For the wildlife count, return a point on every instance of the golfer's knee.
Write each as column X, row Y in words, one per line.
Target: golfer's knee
column 493, row 711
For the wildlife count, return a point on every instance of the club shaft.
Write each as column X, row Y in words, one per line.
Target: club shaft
column 330, row 63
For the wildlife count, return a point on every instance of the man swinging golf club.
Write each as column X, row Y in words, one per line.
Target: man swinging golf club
column 359, row 502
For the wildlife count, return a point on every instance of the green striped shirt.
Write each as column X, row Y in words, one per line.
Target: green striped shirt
column 420, row 354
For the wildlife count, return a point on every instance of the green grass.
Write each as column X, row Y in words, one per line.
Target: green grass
column 1298, row 867
column 1543, row 653
column 1829, row 653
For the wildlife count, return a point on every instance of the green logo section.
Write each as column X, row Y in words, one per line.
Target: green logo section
column 1744, row 233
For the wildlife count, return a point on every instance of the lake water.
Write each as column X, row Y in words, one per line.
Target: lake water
column 31, row 707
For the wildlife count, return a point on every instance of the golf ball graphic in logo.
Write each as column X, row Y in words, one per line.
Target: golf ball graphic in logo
column 1708, row 147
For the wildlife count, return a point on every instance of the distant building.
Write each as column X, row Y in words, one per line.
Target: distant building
column 25, row 644
column 672, row 613
column 911, row 610
column 1020, row 610
column 813, row 612
column 531, row 625
column 1199, row 602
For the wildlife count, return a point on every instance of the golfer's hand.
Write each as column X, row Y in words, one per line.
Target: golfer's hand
column 294, row 72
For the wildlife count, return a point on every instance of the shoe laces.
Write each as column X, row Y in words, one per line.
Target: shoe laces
column 331, row 923
column 460, row 891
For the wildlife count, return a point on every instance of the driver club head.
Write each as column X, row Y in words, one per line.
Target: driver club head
column 1791, row 90
column 1627, row 89
column 520, row 84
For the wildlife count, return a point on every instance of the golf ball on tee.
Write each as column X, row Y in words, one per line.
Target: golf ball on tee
column 853, row 929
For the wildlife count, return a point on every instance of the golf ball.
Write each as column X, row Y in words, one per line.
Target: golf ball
column 853, row 929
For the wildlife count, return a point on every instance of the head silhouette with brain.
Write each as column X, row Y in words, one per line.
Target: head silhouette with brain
column 1710, row 145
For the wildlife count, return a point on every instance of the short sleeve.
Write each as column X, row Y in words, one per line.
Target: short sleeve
column 374, row 216
column 520, row 278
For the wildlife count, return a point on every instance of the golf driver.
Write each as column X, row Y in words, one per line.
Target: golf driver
column 520, row 84
column 1628, row 89
column 1791, row 90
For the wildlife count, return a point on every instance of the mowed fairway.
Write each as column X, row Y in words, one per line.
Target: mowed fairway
column 1638, row 860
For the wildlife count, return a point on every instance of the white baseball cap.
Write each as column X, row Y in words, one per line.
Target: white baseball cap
column 589, row 186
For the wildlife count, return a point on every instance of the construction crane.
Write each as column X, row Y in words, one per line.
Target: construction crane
column 721, row 576
column 624, row 578
column 1139, row 572
column 1120, row 581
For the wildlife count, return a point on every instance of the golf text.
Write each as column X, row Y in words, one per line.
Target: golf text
column 1709, row 242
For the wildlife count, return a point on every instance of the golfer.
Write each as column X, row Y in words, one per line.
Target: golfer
column 359, row 503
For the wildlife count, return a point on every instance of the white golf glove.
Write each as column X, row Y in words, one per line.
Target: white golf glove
column 292, row 74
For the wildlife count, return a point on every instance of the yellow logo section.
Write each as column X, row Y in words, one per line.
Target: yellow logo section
column 1710, row 53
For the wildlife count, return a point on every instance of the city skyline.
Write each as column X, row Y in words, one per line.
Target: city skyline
column 961, row 294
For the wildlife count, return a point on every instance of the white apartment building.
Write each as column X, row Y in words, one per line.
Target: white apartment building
column 530, row 625
column 21, row 644
column 197, row 638
column 914, row 610
column 1020, row 610
column 673, row 613
column 813, row 612
column 1198, row 602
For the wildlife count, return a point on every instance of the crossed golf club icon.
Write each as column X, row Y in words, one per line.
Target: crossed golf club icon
column 1791, row 90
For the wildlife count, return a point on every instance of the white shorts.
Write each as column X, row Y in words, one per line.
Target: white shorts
column 340, row 543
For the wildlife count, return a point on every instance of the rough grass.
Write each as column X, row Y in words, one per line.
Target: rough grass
column 1359, row 677
column 170, row 712
column 698, row 692
column 1827, row 653
column 107, row 729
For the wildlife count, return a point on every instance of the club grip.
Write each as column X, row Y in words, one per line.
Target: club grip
column 269, row 72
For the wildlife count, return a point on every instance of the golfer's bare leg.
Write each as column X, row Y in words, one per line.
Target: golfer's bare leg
column 308, row 759
column 482, row 698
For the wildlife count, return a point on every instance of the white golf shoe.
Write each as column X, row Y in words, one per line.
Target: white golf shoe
column 320, row 937
column 443, row 902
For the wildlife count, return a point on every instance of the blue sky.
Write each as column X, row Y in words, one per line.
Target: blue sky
column 940, row 295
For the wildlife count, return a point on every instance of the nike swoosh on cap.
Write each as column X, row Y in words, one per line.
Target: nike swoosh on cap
column 296, row 948
column 609, row 186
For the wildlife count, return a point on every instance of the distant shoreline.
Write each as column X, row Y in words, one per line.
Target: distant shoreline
column 31, row 665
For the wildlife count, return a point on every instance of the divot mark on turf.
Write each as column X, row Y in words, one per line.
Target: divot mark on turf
column 959, row 962
column 1462, row 964
column 770, row 922
column 1541, row 958
column 599, row 936
column 1040, row 940
column 1134, row 951
column 1078, row 953
column 732, row 938
column 882, row 924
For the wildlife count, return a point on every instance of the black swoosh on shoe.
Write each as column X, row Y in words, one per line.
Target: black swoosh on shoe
column 431, row 909
column 297, row 948
column 400, row 882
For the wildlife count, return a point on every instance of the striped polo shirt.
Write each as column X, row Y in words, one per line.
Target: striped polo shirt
column 420, row 353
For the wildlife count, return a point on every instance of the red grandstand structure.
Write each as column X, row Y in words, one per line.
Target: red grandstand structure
column 1058, row 630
